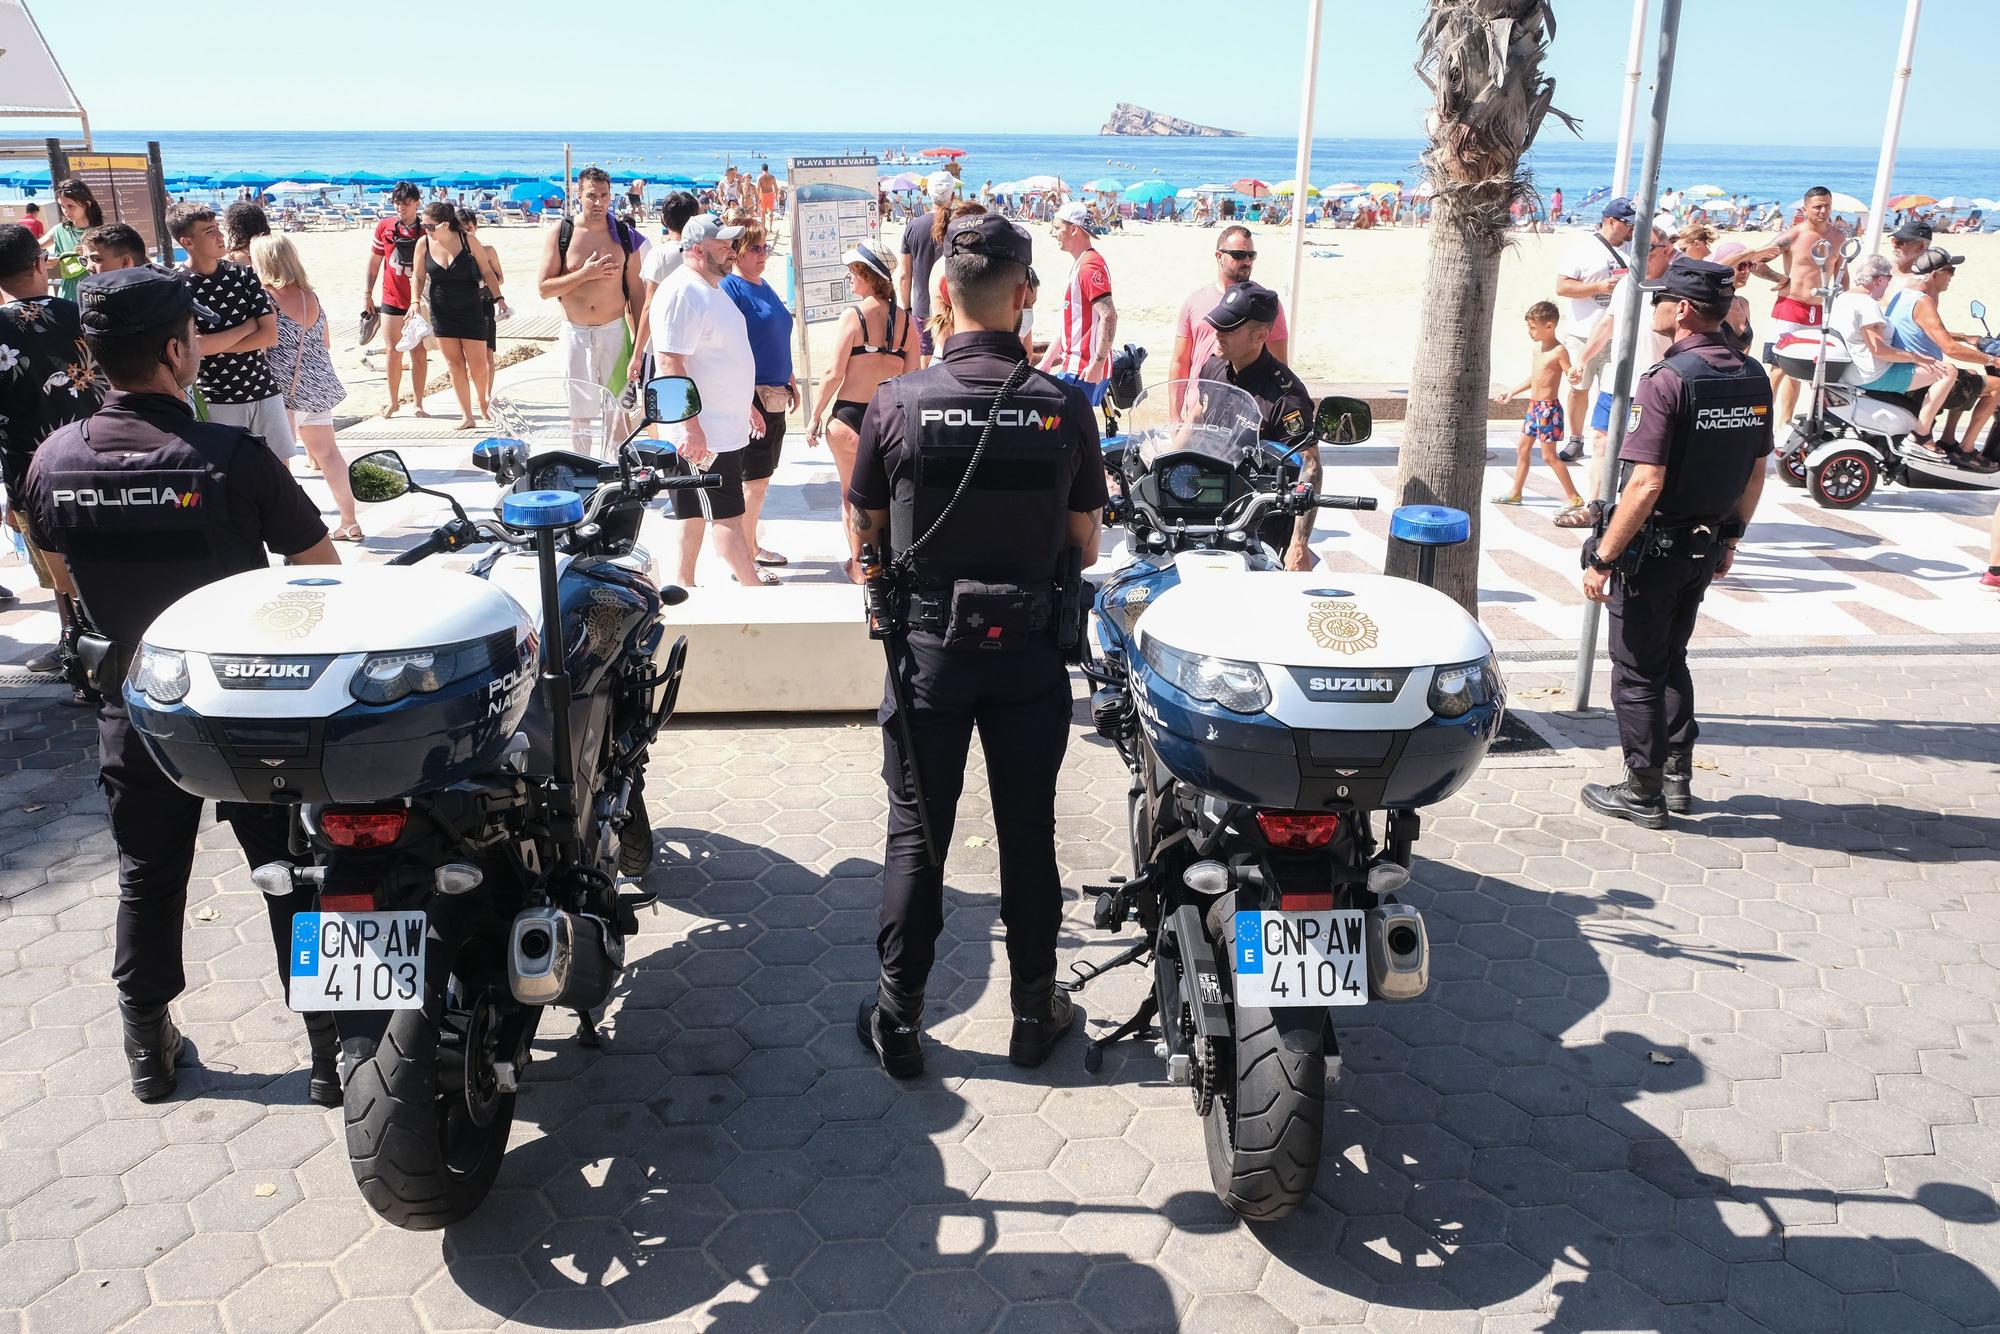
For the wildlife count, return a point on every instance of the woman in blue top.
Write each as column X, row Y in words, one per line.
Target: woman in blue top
column 770, row 327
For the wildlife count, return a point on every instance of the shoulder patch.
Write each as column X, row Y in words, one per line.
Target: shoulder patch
column 1293, row 422
column 1632, row 419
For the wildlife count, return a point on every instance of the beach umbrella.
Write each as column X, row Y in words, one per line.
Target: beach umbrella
column 706, row 182
column 1384, row 188
column 942, row 152
column 1251, row 186
column 1955, row 203
column 1154, row 191
column 1343, row 188
column 311, row 178
column 1985, row 204
column 1845, row 203
column 1044, row 183
column 462, row 179
column 244, row 178
column 904, row 180
column 1289, row 188
column 525, row 192
column 1188, row 192
column 293, row 188
column 1214, row 189
column 1424, row 191
column 1104, row 185
column 1705, row 191
column 1911, row 201
column 674, row 180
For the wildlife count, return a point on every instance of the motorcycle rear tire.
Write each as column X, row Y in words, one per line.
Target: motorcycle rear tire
column 1263, row 1130
column 397, row 1125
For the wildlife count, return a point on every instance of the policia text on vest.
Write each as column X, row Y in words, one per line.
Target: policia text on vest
column 1693, row 464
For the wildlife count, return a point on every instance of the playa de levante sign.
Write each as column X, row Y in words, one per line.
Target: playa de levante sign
column 834, row 205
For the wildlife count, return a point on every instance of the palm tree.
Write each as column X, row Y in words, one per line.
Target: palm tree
column 1483, row 61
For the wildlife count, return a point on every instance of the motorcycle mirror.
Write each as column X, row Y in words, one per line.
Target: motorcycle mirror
column 671, row 398
column 1979, row 311
column 381, row 475
column 1343, row 421
column 499, row 456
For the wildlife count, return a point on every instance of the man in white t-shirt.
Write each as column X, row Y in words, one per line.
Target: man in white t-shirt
column 655, row 263
column 699, row 332
column 1590, row 270
column 1856, row 315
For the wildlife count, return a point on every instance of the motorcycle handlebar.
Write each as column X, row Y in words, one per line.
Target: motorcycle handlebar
column 430, row 546
column 1344, row 502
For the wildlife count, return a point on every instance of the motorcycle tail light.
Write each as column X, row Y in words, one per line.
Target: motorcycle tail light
column 1306, row 902
column 363, row 830
column 1298, row 831
column 363, row 901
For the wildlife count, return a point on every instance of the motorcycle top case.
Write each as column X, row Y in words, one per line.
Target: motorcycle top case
column 332, row 683
column 1376, row 692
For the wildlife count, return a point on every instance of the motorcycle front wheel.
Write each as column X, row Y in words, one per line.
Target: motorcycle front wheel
column 427, row 1122
column 1264, row 1126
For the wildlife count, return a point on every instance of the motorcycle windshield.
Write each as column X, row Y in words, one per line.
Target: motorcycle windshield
column 1204, row 417
column 550, row 412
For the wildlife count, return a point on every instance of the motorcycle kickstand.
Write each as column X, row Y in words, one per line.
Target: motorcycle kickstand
column 586, row 1030
column 1085, row 973
column 1093, row 1054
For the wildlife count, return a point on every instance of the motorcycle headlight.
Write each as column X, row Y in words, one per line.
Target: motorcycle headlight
column 385, row 678
column 1237, row 686
column 1460, row 688
column 161, row 674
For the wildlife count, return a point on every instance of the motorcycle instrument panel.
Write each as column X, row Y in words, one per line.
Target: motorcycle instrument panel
column 1284, row 959
column 357, row 961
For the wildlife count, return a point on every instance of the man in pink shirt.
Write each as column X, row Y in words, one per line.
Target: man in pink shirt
column 1194, row 336
column 1081, row 350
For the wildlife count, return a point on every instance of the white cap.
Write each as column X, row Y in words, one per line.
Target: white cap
column 1074, row 213
column 942, row 185
column 704, row 227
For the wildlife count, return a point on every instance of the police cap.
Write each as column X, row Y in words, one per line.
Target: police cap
column 1916, row 229
column 991, row 235
column 130, row 301
column 1697, row 280
column 1244, row 302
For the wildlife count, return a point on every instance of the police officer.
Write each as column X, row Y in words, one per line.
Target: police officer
column 1693, row 471
column 1242, row 321
column 127, row 561
column 979, row 474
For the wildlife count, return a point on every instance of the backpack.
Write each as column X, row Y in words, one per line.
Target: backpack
column 628, row 241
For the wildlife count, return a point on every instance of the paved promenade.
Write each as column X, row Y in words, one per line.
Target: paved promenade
column 1743, row 1074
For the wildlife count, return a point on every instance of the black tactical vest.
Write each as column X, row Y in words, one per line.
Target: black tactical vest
column 1720, row 430
column 1011, row 525
column 140, row 530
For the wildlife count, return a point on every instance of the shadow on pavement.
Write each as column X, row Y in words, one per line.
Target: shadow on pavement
column 732, row 1151
column 1500, row 1146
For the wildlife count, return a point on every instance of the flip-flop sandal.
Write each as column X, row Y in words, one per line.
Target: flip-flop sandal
column 348, row 533
column 1577, row 516
column 1506, row 500
column 767, row 579
column 770, row 558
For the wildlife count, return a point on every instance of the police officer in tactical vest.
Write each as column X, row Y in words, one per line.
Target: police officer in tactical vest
column 983, row 480
column 1692, row 473
column 138, row 506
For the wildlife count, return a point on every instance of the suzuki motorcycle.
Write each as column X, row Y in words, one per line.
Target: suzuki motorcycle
column 1282, row 731
column 465, row 753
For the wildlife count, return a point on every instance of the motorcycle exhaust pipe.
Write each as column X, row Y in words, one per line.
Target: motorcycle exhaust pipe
column 559, row 958
column 1399, row 953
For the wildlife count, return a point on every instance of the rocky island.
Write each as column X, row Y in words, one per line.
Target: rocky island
column 1128, row 119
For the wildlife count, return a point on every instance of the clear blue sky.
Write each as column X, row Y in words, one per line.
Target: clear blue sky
column 1032, row 66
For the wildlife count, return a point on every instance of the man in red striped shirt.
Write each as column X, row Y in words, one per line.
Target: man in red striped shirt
column 1081, row 349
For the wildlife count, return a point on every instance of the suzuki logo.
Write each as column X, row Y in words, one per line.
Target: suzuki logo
column 1355, row 683
column 269, row 671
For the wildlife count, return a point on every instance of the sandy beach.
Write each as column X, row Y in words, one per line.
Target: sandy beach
column 1358, row 323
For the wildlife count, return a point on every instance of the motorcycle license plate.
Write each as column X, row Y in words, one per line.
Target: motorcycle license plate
column 1301, row 958
column 357, row 961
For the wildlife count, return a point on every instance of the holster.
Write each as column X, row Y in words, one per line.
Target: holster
column 101, row 662
column 1072, row 607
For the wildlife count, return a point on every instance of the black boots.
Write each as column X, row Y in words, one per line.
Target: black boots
column 1676, row 778
column 152, row 1048
column 1638, row 799
column 1042, row 1014
column 890, row 1025
column 323, row 1084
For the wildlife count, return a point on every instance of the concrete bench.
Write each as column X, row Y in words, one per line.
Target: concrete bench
column 797, row 648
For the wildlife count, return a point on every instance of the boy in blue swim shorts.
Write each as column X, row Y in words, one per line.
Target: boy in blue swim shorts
column 1543, row 423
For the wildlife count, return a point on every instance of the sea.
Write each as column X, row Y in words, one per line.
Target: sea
column 1762, row 172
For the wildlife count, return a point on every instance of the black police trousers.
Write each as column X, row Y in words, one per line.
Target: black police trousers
column 1653, row 612
column 154, row 825
column 1020, row 702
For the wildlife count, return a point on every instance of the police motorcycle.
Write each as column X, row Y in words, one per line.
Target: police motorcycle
column 1850, row 440
column 465, row 751
column 1282, row 731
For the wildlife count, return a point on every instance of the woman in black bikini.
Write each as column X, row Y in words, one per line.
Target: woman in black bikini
column 874, row 343
column 448, row 269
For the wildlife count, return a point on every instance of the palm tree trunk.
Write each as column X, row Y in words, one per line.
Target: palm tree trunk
column 1482, row 58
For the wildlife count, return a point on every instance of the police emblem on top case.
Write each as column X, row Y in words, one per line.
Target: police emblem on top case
column 1341, row 626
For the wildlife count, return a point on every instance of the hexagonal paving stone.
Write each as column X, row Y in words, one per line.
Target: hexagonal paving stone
column 852, row 1276
column 1100, row 1168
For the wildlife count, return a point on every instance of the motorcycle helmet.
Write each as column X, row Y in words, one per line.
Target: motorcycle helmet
column 1124, row 390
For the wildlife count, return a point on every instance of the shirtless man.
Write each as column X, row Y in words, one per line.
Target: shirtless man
column 767, row 196
column 598, row 285
column 1801, row 306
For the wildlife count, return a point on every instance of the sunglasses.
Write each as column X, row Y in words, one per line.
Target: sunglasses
column 759, row 249
column 1238, row 254
column 1744, row 268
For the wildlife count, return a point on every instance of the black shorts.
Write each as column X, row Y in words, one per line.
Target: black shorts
column 723, row 502
column 397, row 311
column 760, row 457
